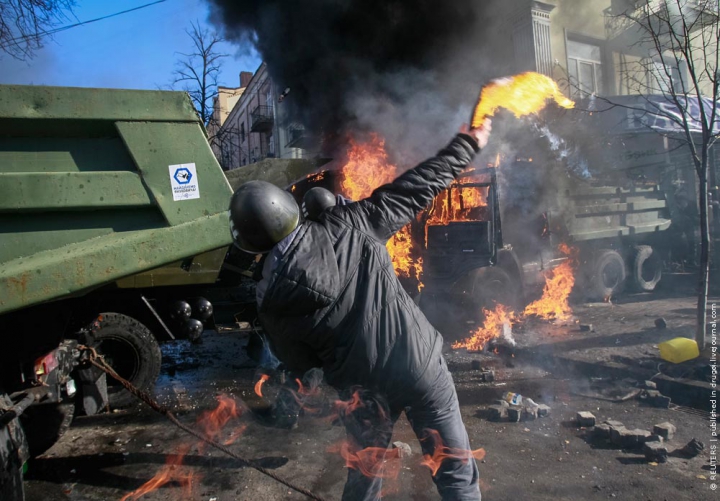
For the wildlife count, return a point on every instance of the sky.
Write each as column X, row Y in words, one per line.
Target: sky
column 137, row 50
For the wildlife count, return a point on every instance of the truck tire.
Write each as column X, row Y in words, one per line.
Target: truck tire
column 492, row 286
column 646, row 269
column 131, row 349
column 44, row 425
column 608, row 275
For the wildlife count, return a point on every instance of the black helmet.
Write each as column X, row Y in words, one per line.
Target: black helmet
column 261, row 214
column 315, row 201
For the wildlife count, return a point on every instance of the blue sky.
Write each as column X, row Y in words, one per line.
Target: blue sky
column 137, row 50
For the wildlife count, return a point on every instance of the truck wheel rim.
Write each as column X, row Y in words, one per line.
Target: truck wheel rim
column 122, row 357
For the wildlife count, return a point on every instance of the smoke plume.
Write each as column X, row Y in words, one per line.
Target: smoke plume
column 409, row 69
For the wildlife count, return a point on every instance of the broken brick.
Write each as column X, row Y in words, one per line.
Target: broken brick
column 614, row 424
column 585, row 419
column 602, row 431
column 617, row 435
column 665, row 430
column 693, row 448
column 543, row 410
column 497, row 412
column 514, row 414
column 655, row 452
column 530, row 413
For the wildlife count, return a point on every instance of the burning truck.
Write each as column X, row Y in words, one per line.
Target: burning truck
column 503, row 231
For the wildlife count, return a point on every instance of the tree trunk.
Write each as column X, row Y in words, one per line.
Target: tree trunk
column 701, row 327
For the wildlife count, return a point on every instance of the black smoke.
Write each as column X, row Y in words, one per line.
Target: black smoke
column 409, row 69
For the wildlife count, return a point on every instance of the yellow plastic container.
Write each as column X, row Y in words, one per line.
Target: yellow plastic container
column 679, row 350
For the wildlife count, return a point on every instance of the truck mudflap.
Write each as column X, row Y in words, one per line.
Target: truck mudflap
column 14, row 453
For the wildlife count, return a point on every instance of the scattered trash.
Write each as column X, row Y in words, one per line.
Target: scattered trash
column 512, row 398
column 693, row 448
column 660, row 323
column 585, row 419
column 678, row 350
column 665, row 430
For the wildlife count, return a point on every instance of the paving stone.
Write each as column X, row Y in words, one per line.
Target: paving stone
column 530, row 413
column 497, row 412
column 665, row 430
column 476, row 365
column 514, row 414
column 602, row 431
column 617, row 435
column 660, row 323
column 585, row 419
column 543, row 410
column 693, row 448
column 586, row 327
column 614, row 424
column 656, row 452
column 662, row 402
column 488, row 376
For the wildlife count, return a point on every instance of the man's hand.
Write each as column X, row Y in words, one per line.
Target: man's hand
column 480, row 134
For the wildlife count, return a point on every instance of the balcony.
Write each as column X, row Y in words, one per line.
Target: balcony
column 627, row 23
column 296, row 137
column 261, row 119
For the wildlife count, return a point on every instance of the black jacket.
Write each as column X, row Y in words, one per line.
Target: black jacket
column 334, row 300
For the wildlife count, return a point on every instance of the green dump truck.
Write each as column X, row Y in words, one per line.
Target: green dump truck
column 113, row 222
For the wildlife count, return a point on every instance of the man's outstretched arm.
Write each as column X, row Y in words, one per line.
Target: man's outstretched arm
column 392, row 206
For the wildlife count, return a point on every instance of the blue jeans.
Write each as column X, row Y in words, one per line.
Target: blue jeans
column 430, row 404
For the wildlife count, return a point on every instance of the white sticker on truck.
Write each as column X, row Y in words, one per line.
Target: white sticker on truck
column 184, row 182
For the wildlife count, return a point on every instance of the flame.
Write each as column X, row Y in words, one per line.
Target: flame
column 213, row 422
column 458, row 203
column 367, row 168
column 258, row 385
column 491, row 329
column 553, row 305
column 171, row 472
column 521, row 94
column 441, row 452
column 373, row 462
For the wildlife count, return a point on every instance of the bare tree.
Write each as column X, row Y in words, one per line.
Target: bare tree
column 23, row 24
column 673, row 67
column 198, row 71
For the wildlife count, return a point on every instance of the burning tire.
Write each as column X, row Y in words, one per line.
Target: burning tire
column 608, row 275
column 494, row 286
column 646, row 268
column 131, row 350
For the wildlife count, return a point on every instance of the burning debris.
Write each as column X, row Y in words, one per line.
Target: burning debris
column 213, row 425
column 497, row 323
column 553, row 305
column 172, row 473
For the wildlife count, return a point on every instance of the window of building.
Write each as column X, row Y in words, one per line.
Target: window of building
column 659, row 73
column 584, row 68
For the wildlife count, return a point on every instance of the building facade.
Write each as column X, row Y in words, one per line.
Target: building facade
column 257, row 125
